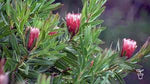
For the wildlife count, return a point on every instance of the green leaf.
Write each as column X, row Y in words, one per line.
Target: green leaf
column 14, row 43
column 43, row 68
column 60, row 46
column 8, row 8
column 23, row 50
column 10, row 64
column 48, row 7
column 19, row 77
column 6, row 51
column 32, row 74
column 97, row 22
column 85, row 11
column 83, row 1
column 92, row 4
column 61, row 64
column 35, row 8
column 4, row 18
column 97, row 13
column 41, row 61
column 4, row 31
column 70, row 61
column 97, row 81
column 43, row 79
column 133, row 65
column 119, row 78
column 27, row 69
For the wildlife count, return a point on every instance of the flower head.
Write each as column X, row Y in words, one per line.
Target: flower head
column 3, row 75
column 73, row 23
column 128, row 47
column 4, row 78
column 33, row 36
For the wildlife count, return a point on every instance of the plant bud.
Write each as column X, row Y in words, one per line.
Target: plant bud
column 33, row 36
column 92, row 62
column 128, row 47
column 73, row 23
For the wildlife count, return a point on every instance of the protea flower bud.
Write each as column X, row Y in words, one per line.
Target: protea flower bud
column 73, row 23
column 92, row 62
column 3, row 75
column 128, row 47
column 52, row 33
column 33, row 36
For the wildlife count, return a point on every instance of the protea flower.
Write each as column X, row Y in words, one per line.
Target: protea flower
column 52, row 33
column 3, row 75
column 73, row 23
column 33, row 36
column 4, row 78
column 128, row 47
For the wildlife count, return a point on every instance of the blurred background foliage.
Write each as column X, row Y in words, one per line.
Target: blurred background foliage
column 123, row 19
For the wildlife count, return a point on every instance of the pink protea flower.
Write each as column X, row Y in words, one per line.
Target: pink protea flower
column 52, row 33
column 4, row 78
column 73, row 23
column 33, row 36
column 3, row 75
column 128, row 47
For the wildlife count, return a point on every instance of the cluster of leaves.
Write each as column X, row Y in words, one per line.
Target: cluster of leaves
column 16, row 16
column 63, row 61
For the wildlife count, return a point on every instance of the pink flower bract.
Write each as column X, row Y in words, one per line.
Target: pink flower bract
column 73, row 23
column 52, row 33
column 128, row 47
column 3, row 75
column 4, row 78
column 92, row 62
column 34, row 34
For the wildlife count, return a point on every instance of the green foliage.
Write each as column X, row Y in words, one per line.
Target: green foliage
column 16, row 16
column 43, row 80
column 62, row 60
